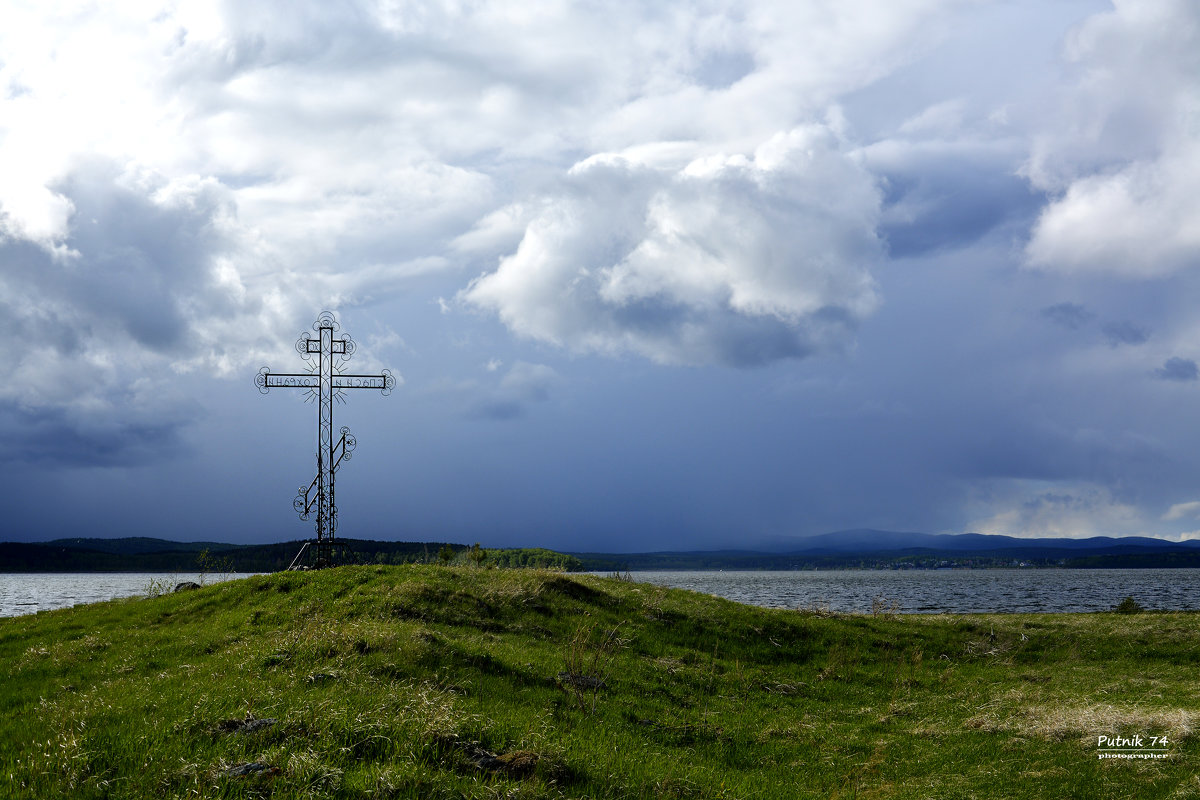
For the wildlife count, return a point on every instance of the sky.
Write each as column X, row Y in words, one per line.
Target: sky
column 651, row 275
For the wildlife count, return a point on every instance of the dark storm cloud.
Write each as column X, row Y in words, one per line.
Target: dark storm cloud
column 1068, row 315
column 938, row 198
column 56, row 437
column 1019, row 449
column 497, row 409
column 132, row 265
column 522, row 386
column 1178, row 369
column 1124, row 333
column 728, row 338
column 140, row 262
column 101, row 314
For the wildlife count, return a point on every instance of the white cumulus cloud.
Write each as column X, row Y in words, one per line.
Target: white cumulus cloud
column 1182, row 510
column 735, row 259
column 1122, row 162
column 1033, row 509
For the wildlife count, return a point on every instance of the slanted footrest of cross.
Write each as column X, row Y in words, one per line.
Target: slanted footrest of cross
column 306, row 496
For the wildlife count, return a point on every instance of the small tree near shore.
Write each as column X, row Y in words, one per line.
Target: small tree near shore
column 1128, row 606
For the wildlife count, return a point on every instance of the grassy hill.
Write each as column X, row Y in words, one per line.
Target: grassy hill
column 445, row 682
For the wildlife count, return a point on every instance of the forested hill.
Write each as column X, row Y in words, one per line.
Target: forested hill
column 862, row 549
column 872, row 549
column 160, row 555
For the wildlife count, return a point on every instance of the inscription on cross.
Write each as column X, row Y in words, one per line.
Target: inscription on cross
column 325, row 381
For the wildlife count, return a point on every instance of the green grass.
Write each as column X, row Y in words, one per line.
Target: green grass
column 431, row 682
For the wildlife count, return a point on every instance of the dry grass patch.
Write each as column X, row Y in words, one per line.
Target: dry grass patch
column 1060, row 723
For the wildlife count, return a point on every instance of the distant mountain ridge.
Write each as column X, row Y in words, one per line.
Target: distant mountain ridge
column 877, row 549
column 870, row 540
column 136, row 545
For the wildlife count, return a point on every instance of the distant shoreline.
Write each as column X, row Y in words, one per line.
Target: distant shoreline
column 847, row 550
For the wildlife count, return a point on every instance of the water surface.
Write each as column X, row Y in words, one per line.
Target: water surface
column 945, row 591
column 30, row 592
column 907, row 591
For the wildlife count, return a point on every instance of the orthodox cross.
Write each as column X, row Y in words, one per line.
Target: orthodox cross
column 324, row 383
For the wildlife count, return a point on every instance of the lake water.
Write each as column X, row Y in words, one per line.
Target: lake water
column 28, row 593
column 946, row 591
column 912, row 591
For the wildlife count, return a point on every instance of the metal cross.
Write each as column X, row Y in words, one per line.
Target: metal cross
column 325, row 382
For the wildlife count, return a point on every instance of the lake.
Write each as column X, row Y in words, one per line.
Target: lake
column 911, row 591
column 30, row 592
column 945, row 591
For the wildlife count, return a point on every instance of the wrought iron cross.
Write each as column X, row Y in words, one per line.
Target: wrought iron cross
column 324, row 382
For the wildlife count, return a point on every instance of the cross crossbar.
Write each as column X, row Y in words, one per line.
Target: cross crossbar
column 307, row 380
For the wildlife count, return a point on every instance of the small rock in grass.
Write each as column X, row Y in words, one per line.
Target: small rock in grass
column 514, row 764
column 518, row 763
column 578, row 681
column 321, row 677
column 251, row 768
column 247, row 725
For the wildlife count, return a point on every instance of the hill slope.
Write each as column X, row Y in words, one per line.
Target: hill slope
column 433, row 682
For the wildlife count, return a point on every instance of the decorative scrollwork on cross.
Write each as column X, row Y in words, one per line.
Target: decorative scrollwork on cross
column 348, row 444
column 260, row 380
column 326, row 319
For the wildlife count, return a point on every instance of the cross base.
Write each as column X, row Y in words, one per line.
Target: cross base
column 322, row 553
